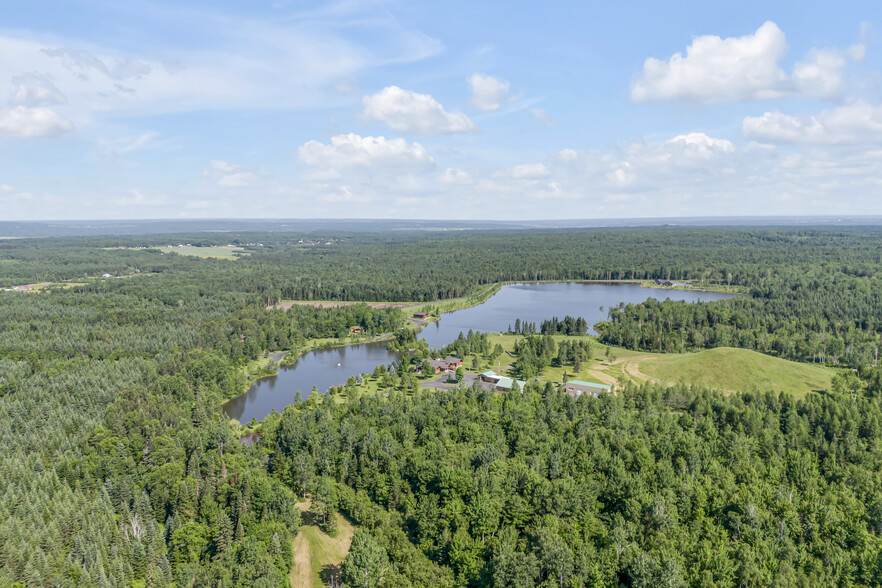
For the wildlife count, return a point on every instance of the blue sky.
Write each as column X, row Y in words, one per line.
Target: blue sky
column 466, row 110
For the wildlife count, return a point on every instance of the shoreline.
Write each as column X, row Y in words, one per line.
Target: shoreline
column 256, row 376
column 443, row 307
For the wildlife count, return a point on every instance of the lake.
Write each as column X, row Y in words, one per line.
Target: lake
column 529, row 302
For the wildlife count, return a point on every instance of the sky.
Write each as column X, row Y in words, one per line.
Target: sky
column 462, row 110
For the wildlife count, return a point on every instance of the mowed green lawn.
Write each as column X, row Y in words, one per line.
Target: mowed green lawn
column 737, row 370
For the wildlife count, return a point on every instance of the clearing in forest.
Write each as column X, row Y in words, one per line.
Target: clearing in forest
column 724, row 368
column 217, row 252
column 286, row 304
column 738, row 370
column 318, row 556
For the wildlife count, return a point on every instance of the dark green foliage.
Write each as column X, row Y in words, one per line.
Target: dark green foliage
column 809, row 312
column 535, row 353
column 568, row 326
column 653, row 487
column 312, row 322
column 119, row 467
column 468, row 344
column 116, row 444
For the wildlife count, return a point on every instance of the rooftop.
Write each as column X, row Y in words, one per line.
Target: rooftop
column 589, row 384
column 509, row 383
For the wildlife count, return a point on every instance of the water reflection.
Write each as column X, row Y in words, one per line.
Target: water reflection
column 324, row 368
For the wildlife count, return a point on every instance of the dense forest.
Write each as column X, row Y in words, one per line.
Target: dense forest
column 119, row 467
column 651, row 487
column 820, row 314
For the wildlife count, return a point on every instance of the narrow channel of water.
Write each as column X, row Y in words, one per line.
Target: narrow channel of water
column 324, row 368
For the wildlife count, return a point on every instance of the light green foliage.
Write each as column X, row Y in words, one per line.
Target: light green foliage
column 367, row 565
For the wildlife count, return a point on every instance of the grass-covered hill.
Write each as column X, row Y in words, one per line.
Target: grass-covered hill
column 732, row 370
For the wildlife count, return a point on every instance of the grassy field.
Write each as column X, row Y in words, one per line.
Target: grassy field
column 699, row 287
column 41, row 286
column 317, row 556
column 218, row 252
column 734, row 370
column 726, row 368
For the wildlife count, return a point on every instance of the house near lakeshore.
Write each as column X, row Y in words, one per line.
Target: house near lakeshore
column 420, row 315
column 576, row 388
column 453, row 362
column 356, row 330
column 500, row 383
column 671, row 284
column 446, row 364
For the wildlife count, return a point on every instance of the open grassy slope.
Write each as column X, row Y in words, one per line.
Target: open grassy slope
column 215, row 252
column 725, row 368
column 733, row 370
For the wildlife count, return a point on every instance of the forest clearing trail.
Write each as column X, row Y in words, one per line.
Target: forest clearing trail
column 301, row 573
column 631, row 368
column 317, row 556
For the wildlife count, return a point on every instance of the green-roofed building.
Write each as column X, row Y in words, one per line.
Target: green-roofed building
column 506, row 384
column 490, row 376
column 576, row 388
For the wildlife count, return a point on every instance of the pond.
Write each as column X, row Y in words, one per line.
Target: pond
column 324, row 368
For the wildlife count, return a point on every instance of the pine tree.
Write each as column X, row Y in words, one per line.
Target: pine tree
column 367, row 563
column 224, row 534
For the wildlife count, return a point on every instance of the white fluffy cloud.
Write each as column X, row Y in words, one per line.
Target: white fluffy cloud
column 820, row 75
column 355, row 151
column 406, row 111
column 716, row 70
column 40, row 121
column 702, row 144
column 851, row 124
column 488, row 93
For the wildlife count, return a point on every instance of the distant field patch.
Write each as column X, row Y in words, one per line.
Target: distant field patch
column 219, row 252
column 286, row 304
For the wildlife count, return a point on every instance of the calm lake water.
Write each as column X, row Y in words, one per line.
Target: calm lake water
column 529, row 302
